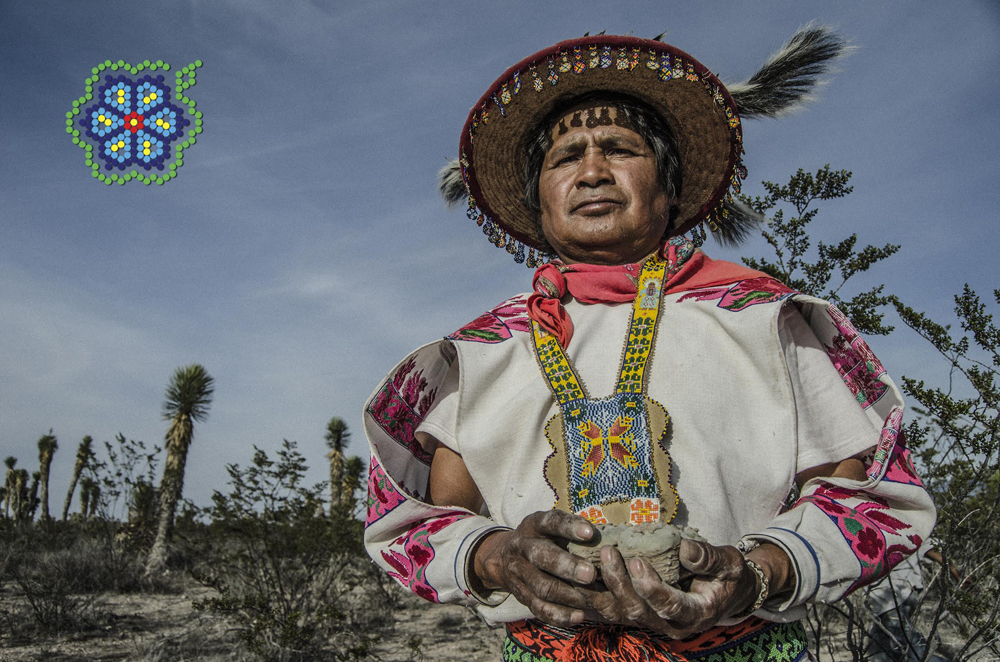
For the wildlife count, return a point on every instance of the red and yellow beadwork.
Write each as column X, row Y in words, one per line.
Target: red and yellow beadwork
column 609, row 463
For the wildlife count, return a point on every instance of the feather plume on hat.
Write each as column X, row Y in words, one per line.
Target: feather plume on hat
column 786, row 80
column 782, row 86
column 451, row 184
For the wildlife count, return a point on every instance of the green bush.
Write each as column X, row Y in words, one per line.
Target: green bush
column 293, row 577
column 956, row 438
column 57, row 571
column 955, row 434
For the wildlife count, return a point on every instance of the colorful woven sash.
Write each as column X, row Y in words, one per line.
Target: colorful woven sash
column 752, row 640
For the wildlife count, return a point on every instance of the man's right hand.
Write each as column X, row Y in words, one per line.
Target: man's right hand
column 529, row 563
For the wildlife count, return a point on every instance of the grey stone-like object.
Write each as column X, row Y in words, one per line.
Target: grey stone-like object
column 657, row 543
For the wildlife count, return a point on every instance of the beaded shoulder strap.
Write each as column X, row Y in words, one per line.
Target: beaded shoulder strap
column 642, row 328
column 559, row 372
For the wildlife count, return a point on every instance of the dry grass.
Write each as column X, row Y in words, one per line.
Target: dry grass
column 165, row 628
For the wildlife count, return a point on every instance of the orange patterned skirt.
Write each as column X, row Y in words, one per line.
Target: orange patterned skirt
column 752, row 640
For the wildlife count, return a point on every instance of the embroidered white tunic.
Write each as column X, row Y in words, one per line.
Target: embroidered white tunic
column 760, row 384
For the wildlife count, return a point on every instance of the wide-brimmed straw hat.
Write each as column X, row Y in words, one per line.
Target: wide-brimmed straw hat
column 703, row 114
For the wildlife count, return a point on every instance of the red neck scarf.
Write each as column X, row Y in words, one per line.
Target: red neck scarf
column 592, row 283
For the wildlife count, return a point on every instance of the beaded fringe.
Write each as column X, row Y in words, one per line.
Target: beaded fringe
column 501, row 239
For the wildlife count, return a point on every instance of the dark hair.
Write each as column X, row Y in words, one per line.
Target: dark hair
column 644, row 120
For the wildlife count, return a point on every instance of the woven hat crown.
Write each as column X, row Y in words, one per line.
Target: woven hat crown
column 694, row 103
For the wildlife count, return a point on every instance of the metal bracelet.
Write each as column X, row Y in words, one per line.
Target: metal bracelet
column 764, row 588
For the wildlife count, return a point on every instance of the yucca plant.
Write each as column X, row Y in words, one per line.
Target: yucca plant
column 21, row 503
column 188, row 398
column 337, row 436
column 32, row 500
column 8, row 488
column 47, row 447
column 84, row 455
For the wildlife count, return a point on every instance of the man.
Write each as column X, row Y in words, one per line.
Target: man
column 532, row 427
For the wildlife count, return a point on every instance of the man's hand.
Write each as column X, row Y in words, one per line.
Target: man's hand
column 724, row 585
column 529, row 563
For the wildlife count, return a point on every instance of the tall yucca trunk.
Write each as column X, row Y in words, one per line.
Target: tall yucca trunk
column 86, row 491
column 33, row 496
column 171, row 486
column 44, row 488
column 8, row 489
column 354, row 469
column 95, row 499
column 336, row 458
column 21, row 503
column 336, row 437
column 47, row 446
column 188, row 397
column 83, row 455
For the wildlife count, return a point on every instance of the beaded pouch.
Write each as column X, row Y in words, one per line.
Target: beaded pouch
column 609, row 460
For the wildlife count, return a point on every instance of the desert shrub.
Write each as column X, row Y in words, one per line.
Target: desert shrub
column 294, row 578
column 956, row 439
column 127, row 480
column 56, row 572
column 826, row 271
column 207, row 640
column 955, row 434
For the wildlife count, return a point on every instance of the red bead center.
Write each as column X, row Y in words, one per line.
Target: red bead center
column 134, row 122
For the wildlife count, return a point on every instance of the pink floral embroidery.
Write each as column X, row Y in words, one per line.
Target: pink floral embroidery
column 400, row 406
column 410, row 565
column 382, row 496
column 742, row 295
column 855, row 361
column 865, row 527
column 496, row 325
column 901, row 468
column 886, row 442
column 891, row 460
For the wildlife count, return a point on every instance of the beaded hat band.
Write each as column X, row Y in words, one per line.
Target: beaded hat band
column 702, row 113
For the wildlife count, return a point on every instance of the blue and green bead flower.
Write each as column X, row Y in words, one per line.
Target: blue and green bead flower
column 135, row 125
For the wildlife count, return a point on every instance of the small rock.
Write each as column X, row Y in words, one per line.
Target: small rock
column 657, row 543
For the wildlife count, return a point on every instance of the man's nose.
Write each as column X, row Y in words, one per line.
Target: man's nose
column 594, row 170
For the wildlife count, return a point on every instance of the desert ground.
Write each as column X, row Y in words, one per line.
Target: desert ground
column 164, row 627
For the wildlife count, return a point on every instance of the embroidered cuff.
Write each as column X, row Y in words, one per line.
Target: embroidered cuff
column 805, row 564
column 463, row 562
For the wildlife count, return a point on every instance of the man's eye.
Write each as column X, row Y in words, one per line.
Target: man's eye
column 567, row 159
column 619, row 151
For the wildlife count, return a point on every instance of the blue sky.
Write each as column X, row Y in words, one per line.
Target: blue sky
column 303, row 250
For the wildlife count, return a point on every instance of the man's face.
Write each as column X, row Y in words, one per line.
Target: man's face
column 600, row 199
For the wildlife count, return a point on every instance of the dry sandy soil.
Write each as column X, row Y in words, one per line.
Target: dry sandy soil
column 165, row 628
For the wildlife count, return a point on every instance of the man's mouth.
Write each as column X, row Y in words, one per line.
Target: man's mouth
column 595, row 206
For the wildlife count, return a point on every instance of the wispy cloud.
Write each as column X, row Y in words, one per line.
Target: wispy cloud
column 303, row 250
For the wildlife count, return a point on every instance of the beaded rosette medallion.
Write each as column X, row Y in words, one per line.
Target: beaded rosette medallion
column 609, row 461
column 134, row 122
